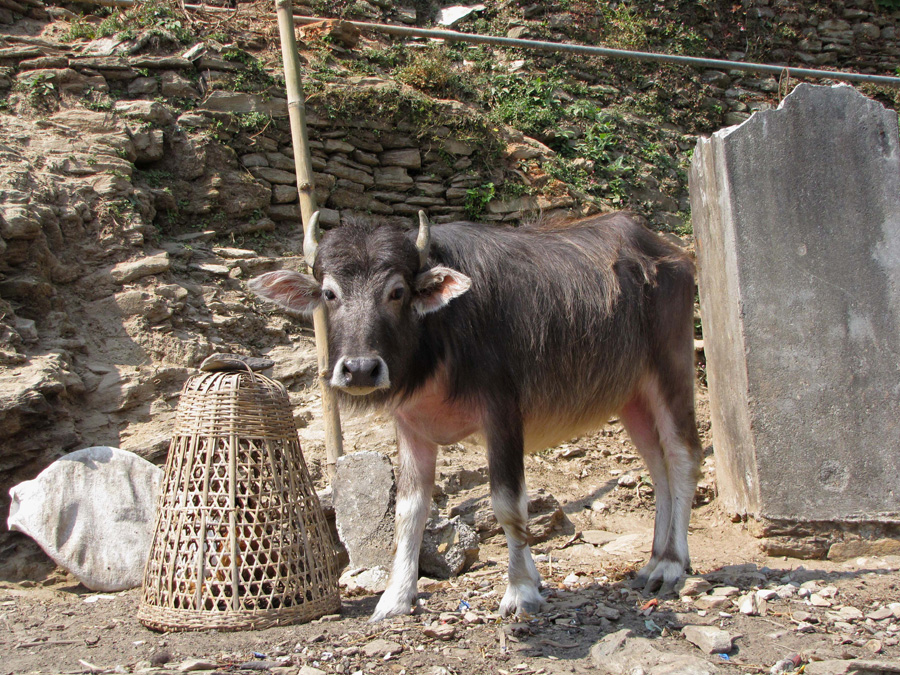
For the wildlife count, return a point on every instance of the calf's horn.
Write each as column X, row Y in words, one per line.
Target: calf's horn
column 311, row 236
column 423, row 241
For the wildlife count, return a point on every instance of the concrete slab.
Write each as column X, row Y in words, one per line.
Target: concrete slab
column 797, row 218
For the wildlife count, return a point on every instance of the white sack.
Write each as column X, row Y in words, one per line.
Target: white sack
column 92, row 512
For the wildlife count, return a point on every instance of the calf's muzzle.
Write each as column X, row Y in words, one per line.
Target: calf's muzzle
column 360, row 375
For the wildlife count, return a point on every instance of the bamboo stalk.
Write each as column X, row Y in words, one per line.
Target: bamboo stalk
column 306, row 188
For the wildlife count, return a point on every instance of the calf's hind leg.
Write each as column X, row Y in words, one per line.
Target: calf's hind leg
column 665, row 434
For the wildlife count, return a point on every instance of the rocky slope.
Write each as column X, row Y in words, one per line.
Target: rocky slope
column 147, row 170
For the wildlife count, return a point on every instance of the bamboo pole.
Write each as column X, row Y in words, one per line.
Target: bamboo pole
column 310, row 216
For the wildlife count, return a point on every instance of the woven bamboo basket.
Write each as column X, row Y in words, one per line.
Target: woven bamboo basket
column 241, row 540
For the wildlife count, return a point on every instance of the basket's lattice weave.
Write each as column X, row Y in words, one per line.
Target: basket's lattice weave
column 241, row 540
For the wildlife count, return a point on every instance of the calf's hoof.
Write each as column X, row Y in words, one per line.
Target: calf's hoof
column 392, row 604
column 522, row 599
column 659, row 577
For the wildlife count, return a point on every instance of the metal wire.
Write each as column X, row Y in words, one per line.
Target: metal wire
column 456, row 36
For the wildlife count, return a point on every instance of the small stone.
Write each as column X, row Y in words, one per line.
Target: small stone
column 607, row 612
column 726, row 591
column 627, row 480
column 598, row 506
column 573, row 579
column 711, row 602
column 160, row 657
column 880, row 614
column 751, row 605
column 874, row 646
column 210, row 268
column 409, row 158
column 598, row 537
column 817, row 600
column 766, row 594
column 449, row 547
column 381, row 648
column 786, row 591
column 197, row 664
column 710, row 639
column 850, row 613
column 309, row 670
column 783, row 666
column 234, row 253
column 692, row 586
column 828, row 592
column 441, row 632
column 137, row 269
column 337, row 145
column 362, row 581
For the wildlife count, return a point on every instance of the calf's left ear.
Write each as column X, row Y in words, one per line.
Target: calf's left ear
column 299, row 292
column 434, row 288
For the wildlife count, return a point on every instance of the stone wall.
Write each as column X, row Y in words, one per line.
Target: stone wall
column 136, row 199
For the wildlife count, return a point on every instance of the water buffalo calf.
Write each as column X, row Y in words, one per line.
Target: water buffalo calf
column 526, row 336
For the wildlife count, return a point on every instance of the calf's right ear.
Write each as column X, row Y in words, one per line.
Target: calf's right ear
column 295, row 291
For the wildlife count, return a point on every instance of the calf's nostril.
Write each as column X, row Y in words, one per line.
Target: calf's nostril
column 363, row 372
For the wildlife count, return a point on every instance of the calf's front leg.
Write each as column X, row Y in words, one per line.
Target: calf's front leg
column 415, row 486
column 510, row 502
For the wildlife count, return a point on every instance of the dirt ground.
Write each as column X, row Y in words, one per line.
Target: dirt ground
column 54, row 625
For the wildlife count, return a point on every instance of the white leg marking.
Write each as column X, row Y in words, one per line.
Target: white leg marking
column 681, row 470
column 523, row 593
column 674, row 473
column 417, row 461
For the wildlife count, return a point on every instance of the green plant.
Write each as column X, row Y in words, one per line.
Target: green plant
column 626, row 28
column 156, row 177
column 253, row 78
column 387, row 57
column 477, row 199
column 39, row 89
column 433, row 71
column 97, row 103
column 253, row 121
column 159, row 17
column 512, row 190
column 527, row 103
column 79, row 29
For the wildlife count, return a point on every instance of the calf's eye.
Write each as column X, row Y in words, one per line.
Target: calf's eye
column 397, row 293
column 329, row 294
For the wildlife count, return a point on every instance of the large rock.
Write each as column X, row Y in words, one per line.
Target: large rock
column 132, row 270
column 797, row 217
column 545, row 516
column 35, row 422
column 620, row 653
column 364, row 499
column 449, row 548
column 92, row 512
